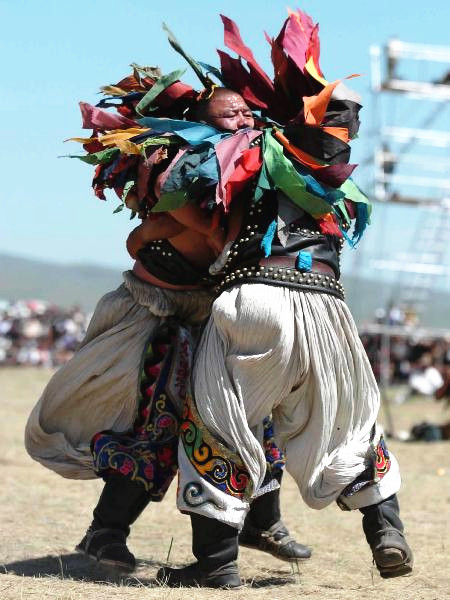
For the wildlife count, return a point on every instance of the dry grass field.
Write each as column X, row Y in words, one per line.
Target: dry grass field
column 43, row 517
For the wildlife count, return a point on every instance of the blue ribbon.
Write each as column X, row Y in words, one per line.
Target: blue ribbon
column 304, row 261
column 266, row 242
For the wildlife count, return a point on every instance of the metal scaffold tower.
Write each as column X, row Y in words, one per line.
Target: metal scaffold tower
column 412, row 164
column 412, row 167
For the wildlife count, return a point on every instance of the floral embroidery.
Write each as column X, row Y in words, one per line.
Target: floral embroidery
column 274, row 456
column 147, row 453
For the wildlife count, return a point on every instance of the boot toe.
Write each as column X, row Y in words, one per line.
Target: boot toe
column 392, row 555
column 293, row 551
column 117, row 556
column 275, row 541
column 224, row 577
column 108, row 547
column 400, row 570
column 185, row 577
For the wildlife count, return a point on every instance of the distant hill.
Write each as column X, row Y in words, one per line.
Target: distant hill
column 64, row 285
column 83, row 285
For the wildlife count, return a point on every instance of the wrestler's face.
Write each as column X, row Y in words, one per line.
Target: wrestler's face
column 228, row 112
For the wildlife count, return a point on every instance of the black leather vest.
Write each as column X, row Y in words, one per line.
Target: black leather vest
column 163, row 261
column 245, row 256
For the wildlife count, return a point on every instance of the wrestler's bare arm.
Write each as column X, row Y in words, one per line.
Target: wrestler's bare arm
column 195, row 218
column 156, row 227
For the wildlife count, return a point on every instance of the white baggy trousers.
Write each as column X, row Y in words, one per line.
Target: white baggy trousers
column 295, row 354
column 98, row 388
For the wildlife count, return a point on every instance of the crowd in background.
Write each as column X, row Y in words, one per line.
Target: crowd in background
column 421, row 363
column 412, row 361
column 401, row 352
column 38, row 333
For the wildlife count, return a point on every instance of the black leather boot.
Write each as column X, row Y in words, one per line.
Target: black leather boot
column 264, row 530
column 215, row 546
column 384, row 533
column 121, row 502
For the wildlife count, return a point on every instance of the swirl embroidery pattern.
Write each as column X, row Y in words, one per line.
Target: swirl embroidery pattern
column 374, row 473
column 382, row 460
column 211, row 459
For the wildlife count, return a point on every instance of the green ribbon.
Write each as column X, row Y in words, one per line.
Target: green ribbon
column 160, row 141
column 126, row 189
column 97, row 158
column 171, row 201
column 164, row 82
column 285, row 178
column 206, row 81
column 353, row 193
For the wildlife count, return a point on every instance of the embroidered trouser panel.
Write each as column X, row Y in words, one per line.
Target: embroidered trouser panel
column 148, row 452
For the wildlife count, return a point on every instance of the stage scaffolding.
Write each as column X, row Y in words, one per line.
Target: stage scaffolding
column 412, row 166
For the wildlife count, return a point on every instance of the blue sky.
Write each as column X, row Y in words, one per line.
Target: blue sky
column 55, row 53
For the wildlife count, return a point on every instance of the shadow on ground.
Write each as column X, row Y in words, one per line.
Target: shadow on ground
column 79, row 568
column 264, row 582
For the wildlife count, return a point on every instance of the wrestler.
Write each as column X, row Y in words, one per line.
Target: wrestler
column 280, row 339
column 100, row 389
